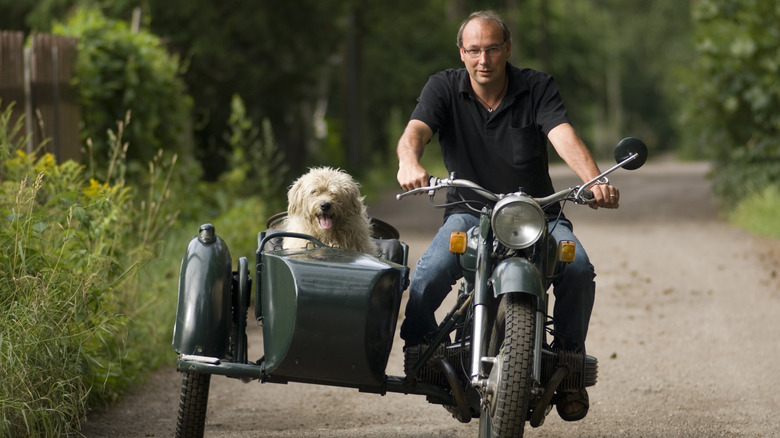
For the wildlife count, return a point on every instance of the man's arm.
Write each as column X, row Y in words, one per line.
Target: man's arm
column 410, row 149
column 576, row 155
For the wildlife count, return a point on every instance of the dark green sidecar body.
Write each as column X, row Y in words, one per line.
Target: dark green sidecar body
column 328, row 314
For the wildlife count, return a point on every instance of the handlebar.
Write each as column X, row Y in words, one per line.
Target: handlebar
column 579, row 194
column 435, row 183
column 630, row 154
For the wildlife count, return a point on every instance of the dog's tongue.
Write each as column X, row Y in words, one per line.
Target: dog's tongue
column 326, row 223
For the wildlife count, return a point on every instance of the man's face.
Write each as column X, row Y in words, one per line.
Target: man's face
column 484, row 51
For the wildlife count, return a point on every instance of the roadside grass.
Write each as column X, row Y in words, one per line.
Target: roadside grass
column 759, row 213
column 81, row 323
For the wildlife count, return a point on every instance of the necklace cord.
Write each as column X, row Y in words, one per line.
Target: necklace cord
column 500, row 97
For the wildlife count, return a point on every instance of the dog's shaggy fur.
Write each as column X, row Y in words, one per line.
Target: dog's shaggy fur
column 326, row 203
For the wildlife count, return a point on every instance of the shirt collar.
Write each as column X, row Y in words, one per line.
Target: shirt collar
column 515, row 87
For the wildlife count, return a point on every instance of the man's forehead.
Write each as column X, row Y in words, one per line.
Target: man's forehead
column 479, row 31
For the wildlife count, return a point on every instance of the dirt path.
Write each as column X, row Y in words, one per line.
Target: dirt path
column 685, row 329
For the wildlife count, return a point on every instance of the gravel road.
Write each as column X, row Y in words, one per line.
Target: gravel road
column 685, row 329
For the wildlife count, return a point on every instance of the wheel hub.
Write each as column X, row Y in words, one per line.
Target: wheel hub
column 492, row 382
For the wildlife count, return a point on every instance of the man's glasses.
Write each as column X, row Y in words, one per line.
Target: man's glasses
column 489, row 51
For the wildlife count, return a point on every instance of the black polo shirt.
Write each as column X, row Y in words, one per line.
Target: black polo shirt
column 502, row 151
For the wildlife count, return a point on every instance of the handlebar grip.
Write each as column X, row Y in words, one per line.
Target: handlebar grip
column 587, row 196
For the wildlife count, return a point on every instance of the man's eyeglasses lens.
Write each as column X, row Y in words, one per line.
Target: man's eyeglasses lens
column 489, row 51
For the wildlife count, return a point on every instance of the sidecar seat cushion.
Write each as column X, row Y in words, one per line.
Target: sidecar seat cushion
column 392, row 250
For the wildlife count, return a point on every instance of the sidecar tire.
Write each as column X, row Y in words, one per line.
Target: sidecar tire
column 512, row 341
column 192, row 405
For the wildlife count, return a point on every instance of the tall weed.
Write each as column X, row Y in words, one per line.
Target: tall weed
column 75, row 330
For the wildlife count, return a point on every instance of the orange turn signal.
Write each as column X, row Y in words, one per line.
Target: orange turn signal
column 458, row 241
column 566, row 251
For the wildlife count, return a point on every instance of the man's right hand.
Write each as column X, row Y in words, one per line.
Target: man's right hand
column 411, row 174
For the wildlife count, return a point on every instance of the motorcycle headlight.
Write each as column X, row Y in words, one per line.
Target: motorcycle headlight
column 518, row 222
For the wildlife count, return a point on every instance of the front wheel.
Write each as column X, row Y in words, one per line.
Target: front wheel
column 192, row 404
column 506, row 398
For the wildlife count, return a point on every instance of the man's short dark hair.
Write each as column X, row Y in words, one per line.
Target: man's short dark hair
column 484, row 15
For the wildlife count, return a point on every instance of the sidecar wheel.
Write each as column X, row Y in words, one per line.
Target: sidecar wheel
column 192, row 405
column 505, row 407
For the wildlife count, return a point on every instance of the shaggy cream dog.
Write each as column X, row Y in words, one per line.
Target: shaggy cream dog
column 325, row 203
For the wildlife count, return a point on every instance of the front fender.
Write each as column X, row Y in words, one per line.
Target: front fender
column 203, row 312
column 517, row 275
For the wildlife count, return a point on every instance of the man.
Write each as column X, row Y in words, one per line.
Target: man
column 493, row 121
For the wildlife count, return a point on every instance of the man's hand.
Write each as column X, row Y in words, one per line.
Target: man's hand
column 411, row 174
column 607, row 196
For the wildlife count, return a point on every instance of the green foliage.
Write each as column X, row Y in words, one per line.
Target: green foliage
column 398, row 59
column 10, row 134
column 73, row 307
column 256, row 166
column 121, row 71
column 614, row 62
column 736, row 105
column 253, row 186
column 759, row 212
column 279, row 56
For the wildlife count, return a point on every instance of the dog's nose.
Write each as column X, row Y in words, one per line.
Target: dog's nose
column 325, row 206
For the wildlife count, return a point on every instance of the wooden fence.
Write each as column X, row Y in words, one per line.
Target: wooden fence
column 39, row 79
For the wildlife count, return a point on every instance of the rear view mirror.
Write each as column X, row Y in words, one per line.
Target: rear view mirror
column 628, row 147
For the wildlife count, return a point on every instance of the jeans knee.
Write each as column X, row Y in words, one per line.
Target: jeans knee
column 581, row 269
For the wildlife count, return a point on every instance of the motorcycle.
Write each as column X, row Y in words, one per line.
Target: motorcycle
column 490, row 358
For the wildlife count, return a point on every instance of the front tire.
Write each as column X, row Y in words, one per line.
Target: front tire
column 505, row 405
column 192, row 405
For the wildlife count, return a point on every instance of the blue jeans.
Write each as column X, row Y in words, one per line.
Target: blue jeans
column 438, row 270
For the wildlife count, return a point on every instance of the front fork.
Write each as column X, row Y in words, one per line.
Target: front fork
column 478, row 347
column 481, row 328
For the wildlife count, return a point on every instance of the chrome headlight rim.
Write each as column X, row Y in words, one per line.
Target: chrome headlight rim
column 518, row 222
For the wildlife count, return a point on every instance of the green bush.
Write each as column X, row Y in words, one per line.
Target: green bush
column 121, row 71
column 79, row 323
column 758, row 213
column 735, row 101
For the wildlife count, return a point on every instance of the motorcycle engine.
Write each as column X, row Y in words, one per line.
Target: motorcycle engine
column 429, row 373
column 583, row 368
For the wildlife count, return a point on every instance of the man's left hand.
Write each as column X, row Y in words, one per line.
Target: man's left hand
column 607, row 196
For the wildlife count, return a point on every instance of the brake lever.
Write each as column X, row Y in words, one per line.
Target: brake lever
column 434, row 183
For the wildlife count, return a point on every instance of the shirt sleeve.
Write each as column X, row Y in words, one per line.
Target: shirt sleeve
column 433, row 103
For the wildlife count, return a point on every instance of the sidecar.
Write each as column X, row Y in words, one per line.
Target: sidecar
column 328, row 314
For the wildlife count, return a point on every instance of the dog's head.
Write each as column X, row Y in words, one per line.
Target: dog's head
column 325, row 196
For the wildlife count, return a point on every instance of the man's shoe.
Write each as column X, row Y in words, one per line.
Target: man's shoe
column 573, row 406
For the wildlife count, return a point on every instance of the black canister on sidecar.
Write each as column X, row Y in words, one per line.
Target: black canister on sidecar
column 204, row 302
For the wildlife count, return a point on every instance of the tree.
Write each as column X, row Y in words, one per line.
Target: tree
column 735, row 98
column 277, row 55
column 291, row 64
column 613, row 61
column 121, row 71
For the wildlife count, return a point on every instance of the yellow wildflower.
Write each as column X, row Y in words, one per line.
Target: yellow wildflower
column 95, row 189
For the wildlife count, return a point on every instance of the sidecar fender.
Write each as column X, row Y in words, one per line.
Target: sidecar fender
column 204, row 305
column 517, row 275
